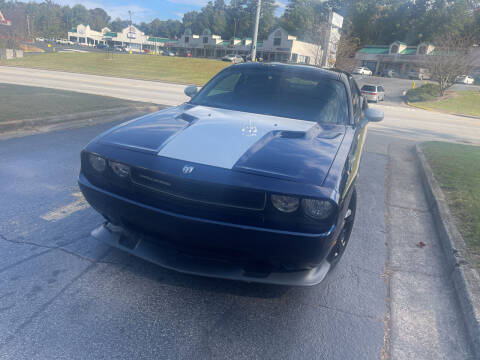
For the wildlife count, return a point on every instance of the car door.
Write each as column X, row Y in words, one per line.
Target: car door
column 357, row 131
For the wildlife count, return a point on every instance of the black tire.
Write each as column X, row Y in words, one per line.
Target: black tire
column 342, row 241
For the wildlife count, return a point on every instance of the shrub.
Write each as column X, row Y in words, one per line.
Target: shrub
column 425, row 92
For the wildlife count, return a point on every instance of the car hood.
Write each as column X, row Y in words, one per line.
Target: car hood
column 266, row 145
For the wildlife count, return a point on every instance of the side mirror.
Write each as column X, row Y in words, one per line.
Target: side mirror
column 374, row 115
column 191, row 91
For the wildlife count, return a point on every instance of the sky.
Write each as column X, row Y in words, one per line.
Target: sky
column 147, row 10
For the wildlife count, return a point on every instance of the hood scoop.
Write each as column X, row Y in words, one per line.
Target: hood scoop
column 293, row 134
column 186, row 117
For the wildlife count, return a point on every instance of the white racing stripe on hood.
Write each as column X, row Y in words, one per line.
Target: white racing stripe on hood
column 220, row 137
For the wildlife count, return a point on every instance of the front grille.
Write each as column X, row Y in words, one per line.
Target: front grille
column 199, row 192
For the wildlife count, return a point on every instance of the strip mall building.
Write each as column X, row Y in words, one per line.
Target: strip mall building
column 278, row 46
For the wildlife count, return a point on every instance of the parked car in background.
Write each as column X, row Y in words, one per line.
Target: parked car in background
column 101, row 46
column 277, row 207
column 362, row 71
column 374, row 93
column 465, row 79
column 248, row 57
column 40, row 39
column 168, row 53
column 389, row 73
column 233, row 58
column 419, row 74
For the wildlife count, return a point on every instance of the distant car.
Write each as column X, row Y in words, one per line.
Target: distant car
column 420, row 74
column 465, row 79
column 362, row 71
column 40, row 39
column 167, row 53
column 389, row 73
column 101, row 46
column 242, row 182
column 233, row 58
column 248, row 57
column 374, row 93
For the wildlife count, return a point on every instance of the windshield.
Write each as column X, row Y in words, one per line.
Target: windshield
column 368, row 88
column 293, row 93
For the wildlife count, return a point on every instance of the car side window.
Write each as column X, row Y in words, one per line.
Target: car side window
column 356, row 101
column 381, row 89
column 226, row 85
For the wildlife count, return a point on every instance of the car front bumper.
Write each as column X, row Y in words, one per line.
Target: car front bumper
column 210, row 248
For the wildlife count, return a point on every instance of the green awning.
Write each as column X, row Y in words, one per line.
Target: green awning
column 110, row 34
column 158, row 39
column 409, row 51
column 375, row 50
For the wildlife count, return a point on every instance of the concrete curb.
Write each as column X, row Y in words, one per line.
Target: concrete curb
column 440, row 112
column 466, row 279
column 14, row 125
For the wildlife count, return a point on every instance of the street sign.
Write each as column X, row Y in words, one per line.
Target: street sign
column 336, row 20
column 4, row 21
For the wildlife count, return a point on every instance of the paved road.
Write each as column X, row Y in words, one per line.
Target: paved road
column 158, row 92
column 130, row 89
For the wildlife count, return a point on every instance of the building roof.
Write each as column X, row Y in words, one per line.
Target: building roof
column 224, row 43
column 410, row 50
column 375, row 50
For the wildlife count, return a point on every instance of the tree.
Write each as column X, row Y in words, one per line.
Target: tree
column 98, row 19
column 452, row 57
column 347, row 47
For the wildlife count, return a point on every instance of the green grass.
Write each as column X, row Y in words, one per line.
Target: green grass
column 146, row 67
column 25, row 102
column 457, row 168
column 462, row 102
column 423, row 93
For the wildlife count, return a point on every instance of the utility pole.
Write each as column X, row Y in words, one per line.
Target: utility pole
column 255, row 32
column 130, row 32
column 326, row 39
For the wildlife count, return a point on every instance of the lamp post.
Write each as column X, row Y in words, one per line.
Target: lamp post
column 130, row 33
column 255, row 32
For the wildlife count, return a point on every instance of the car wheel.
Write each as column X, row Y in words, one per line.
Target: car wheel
column 344, row 237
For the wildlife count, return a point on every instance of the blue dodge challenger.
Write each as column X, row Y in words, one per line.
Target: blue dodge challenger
column 253, row 179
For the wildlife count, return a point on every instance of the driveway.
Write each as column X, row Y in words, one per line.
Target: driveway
column 64, row 295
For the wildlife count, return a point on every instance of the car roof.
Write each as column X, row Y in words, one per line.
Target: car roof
column 371, row 85
column 327, row 73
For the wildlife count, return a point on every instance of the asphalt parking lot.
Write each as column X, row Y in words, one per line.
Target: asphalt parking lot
column 394, row 87
column 64, row 295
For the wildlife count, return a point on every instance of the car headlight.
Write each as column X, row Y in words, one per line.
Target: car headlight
column 97, row 162
column 120, row 169
column 317, row 209
column 286, row 204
